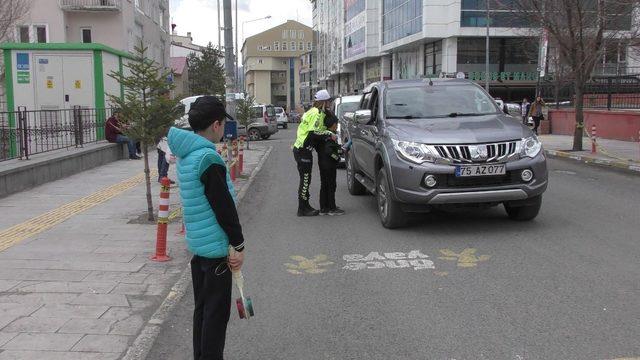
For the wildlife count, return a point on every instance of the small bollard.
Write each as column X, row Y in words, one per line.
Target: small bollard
column 593, row 139
column 241, row 155
column 163, row 222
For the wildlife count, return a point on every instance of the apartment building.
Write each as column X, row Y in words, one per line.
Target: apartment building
column 119, row 24
column 362, row 41
column 271, row 61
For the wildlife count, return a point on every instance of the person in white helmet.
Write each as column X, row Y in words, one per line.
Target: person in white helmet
column 312, row 121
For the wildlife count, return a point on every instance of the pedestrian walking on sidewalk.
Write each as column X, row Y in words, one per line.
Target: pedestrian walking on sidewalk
column 536, row 113
column 524, row 108
column 165, row 158
column 113, row 134
column 312, row 121
column 211, row 222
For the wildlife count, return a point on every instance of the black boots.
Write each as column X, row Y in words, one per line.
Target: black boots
column 304, row 209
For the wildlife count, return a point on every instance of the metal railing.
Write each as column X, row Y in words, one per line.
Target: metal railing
column 89, row 5
column 28, row 132
column 602, row 92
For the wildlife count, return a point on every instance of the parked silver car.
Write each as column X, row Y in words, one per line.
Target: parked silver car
column 442, row 143
column 282, row 118
column 263, row 123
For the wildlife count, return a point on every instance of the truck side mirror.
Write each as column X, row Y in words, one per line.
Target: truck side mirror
column 363, row 117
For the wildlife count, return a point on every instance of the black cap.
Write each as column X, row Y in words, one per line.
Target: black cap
column 205, row 111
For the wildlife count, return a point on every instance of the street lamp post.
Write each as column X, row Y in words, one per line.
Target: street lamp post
column 486, row 69
column 244, row 22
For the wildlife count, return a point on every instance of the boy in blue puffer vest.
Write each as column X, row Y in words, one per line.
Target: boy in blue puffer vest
column 211, row 222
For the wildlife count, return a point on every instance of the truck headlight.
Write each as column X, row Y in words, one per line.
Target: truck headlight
column 414, row 152
column 531, row 146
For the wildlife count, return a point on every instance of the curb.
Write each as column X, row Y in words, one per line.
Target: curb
column 617, row 164
column 144, row 342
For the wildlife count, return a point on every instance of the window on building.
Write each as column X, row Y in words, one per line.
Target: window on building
column 284, row 46
column 292, row 34
column 161, row 18
column 23, row 34
column 309, row 46
column 276, row 46
column 400, row 18
column 285, row 34
column 138, row 35
column 300, row 34
column 433, row 58
column 300, row 46
column 41, row 33
column 259, row 61
column 86, row 35
column 293, row 46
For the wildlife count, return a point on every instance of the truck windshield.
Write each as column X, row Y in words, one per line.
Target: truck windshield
column 438, row 101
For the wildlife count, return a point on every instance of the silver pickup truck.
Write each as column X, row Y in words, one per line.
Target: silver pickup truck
column 425, row 144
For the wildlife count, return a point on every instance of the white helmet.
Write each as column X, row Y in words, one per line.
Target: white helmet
column 322, row 95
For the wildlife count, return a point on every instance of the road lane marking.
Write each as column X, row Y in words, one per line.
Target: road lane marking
column 465, row 259
column 390, row 260
column 18, row 233
column 315, row 265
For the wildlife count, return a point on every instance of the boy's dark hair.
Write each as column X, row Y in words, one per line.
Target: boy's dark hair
column 205, row 111
column 330, row 119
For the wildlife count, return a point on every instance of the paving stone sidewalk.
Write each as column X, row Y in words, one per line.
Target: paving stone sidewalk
column 613, row 153
column 84, row 288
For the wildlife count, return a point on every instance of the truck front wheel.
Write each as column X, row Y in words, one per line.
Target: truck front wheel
column 391, row 215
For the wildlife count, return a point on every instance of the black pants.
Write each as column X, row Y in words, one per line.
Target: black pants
column 525, row 120
column 304, row 159
column 536, row 123
column 163, row 165
column 212, row 307
column 328, row 173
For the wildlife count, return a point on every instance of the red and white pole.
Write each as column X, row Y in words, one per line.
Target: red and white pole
column 593, row 139
column 241, row 155
column 163, row 222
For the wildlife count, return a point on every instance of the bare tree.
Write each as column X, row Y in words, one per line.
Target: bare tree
column 578, row 29
column 11, row 11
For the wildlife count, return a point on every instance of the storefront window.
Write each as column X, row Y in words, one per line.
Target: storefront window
column 401, row 18
column 506, row 55
column 407, row 65
column 433, row 58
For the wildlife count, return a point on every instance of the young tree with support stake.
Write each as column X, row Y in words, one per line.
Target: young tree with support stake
column 243, row 113
column 145, row 113
column 578, row 29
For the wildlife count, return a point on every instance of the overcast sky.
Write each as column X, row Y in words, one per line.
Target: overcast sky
column 200, row 17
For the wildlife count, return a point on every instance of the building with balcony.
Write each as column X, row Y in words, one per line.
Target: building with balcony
column 271, row 64
column 119, row 24
column 362, row 41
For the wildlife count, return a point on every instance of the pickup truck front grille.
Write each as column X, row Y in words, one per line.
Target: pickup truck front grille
column 477, row 153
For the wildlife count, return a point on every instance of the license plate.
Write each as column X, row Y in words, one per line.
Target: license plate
column 480, row 170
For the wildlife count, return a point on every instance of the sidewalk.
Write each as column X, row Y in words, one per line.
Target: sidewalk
column 76, row 281
column 613, row 153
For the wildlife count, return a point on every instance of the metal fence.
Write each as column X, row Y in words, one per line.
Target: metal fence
column 602, row 92
column 28, row 132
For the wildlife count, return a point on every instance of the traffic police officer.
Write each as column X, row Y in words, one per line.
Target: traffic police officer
column 312, row 120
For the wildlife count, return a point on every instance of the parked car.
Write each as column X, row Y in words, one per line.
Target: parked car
column 421, row 145
column 183, row 121
column 282, row 118
column 263, row 123
column 294, row 116
column 341, row 106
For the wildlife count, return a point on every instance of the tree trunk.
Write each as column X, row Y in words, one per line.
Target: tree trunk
column 579, row 108
column 147, row 178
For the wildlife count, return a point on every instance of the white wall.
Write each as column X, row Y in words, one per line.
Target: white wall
column 111, row 85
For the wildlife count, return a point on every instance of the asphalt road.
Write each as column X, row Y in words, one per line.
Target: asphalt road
column 565, row 286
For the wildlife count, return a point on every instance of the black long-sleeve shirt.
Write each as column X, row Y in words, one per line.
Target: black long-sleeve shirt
column 219, row 197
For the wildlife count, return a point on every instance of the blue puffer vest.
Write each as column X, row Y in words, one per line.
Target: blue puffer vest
column 195, row 154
